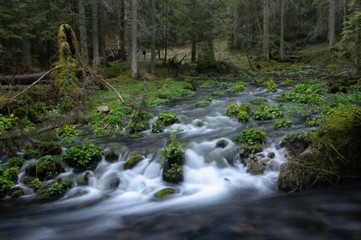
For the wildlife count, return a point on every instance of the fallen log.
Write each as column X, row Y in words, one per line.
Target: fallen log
column 24, row 79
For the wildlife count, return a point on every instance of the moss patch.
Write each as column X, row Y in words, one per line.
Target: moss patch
column 164, row 193
column 133, row 161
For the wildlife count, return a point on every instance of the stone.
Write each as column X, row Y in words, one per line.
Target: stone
column 164, row 193
column 256, row 168
column 221, row 143
column 103, row 109
column 271, row 155
column 133, row 161
column 111, row 157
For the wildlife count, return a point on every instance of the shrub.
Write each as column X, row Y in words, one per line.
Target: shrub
column 16, row 162
column 264, row 112
column 250, row 136
column 168, row 118
column 83, row 157
column 238, row 87
column 284, row 123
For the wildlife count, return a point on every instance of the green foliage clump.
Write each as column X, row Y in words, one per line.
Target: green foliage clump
column 5, row 185
column 48, row 148
column 284, row 123
column 300, row 109
column 306, row 89
column 6, row 123
column 133, row 127
column 238, row 87
column 82, row 157
column 243, row 116
column 35, row 184
column 264, row 112
column 302, row 98
column 11, row 174
column 68, row 133
column 168, row 118
column 174, row 152
column 113, row 122
column 173, row 173
column 158, row 127
column 233, row 109
column 15, row 162
column 223, row 86
column 220, row 92
column 207, row 101
column 250, row 136
column 271, row 86
column 48, row 167
column 133, row 161
column 209, row 83
column 29, row 155
column 259, row 100
column 291, row 138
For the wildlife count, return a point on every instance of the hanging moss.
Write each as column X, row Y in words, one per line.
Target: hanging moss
column 69, row 72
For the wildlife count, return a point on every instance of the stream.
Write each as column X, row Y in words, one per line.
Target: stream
column 218, row 199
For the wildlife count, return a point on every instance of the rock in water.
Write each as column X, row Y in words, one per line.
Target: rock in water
column 332, row 157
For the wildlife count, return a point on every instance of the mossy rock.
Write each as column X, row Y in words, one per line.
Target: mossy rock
column 333, row 155
column 48, row 168
column 16, row 192
column 172, row 173
column 52, row 192
column 111, row 157
column 48, row 148
column 221, row 143
column 133, row 161
column 29, row 155
column 30, row 170
column 164, row 193
column 28, row 180
column 256, row 148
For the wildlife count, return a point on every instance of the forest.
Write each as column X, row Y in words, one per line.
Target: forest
column 184, row 119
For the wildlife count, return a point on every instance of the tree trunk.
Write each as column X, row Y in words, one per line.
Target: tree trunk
column 26, row 50
column 266, row 13
column 357, row 42
column 194, row 34
column 282, row 29
column 83, row 34
column 152, row 58
column 101, row 18
column 95, row 33
column 166, row 32
column 331, row 23
column 134, row 69
column 210, row 52
column 123, row 55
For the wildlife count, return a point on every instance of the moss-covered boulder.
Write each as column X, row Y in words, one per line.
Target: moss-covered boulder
column 48, row 148
column 16, row 192
column 172, row 167
column 133, row 161
column 221, row 143
column 30, row 170
column 164, row 193
column 111, row 157
column 52, row 192
column 48, row 167
column 332, row 157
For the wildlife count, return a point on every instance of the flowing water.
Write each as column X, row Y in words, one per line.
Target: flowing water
column 217, row 200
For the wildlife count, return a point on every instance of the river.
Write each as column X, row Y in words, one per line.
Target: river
column 217, row 200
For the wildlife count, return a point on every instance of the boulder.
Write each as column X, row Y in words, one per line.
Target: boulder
column 103, row 109
column 164, row 193
column 111, row 157
column 333, row 156
column 133, row 161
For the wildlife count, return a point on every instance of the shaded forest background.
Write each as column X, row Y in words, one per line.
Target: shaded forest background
column 28, row 28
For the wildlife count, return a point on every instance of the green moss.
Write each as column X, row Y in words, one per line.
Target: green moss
column 164, row 193
column 332, row 157
column 111, row 156
column 133, row 161
column 221, row 143
column 48, row 167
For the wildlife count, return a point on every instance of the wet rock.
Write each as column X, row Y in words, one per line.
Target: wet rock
column 133, row 161
column 30, row 170
column 200, row 123
column 111, row 157
column 256, row 168
column 113, row 183
column 103, row 109
column 16, row 192
column 221, row 143
column 255, row 148
column 86, row 177
column 164, row 193
column 271, row 155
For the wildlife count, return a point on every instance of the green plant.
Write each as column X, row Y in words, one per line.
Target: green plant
column 243, row 116
column 306, row 89
column 11, row 174
column 271, row 86
column 259, row 100
column 207, row 101
column 16, row 162
column 238, row 87
column 284, row 123
column 223, row 86
column 168, row 118
column 250, row 136
column 35, row 184
column 174, row 152
column 82, row 155
column 172, row 173
column 6, row 123
column 133, row 127
column 158, row 127
column 5, row 185
column 287, row 82
column 264, row 112
column 113, row 122
column 100, row 133
column 220, row 92
column 234, row 109
column 291, row 138
column 48, row 148
column 208, row 84
column 56, row 190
